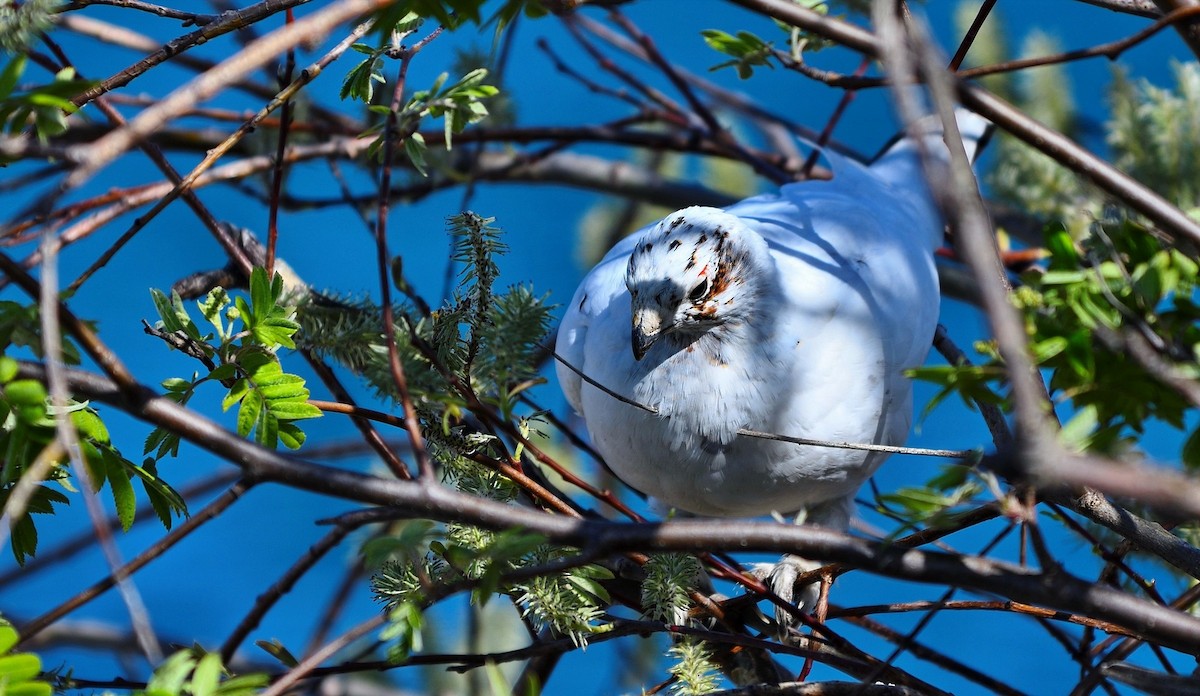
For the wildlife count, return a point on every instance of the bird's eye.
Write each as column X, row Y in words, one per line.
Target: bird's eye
column 699, row 291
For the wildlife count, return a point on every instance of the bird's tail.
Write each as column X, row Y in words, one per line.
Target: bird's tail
column 900, row 158
column 900, row 163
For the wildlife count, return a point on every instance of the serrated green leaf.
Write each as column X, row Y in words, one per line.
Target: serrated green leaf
column 24, row 539
column 44, row 499
column 249, row 412
column 293, row 410
column 259, row 364
column 223, row 372
column 122, row 490
column 166, row 311
column 260, row 293
column 162, row 509
column 169, row 445
column 236, row 393
column 90, row 426
column 291, row 435
column 243, row 311
column 283, row 388
column 276, row 330
column 165, row 499
column 266, row 432
column 952, row 476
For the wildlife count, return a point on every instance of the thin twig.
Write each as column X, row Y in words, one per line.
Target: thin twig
column 383, row 262
column 973, row 31
column 176, row 535
column 1111, row 50
column 277, row 174
column 282, row 586
column 953, row 454
column 188, row 18
column 408, row 499
column 226, row 23
column 1158, row 210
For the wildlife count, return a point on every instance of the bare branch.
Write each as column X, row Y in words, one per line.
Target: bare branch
column 1188, row 31
column 405, row 499
column 1169, row 218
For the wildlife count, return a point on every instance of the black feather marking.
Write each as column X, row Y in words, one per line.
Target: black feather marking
column 674, row 245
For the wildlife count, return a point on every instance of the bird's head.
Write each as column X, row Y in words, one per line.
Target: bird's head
column 689, row 274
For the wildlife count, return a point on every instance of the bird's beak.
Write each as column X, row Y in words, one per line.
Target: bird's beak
column 647, row 328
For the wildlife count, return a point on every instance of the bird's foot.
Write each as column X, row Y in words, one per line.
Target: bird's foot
column 780, row 577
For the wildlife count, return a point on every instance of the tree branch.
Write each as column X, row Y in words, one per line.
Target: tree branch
column 408, row 499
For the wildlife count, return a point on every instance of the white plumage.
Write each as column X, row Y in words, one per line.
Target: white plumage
column 793, row 312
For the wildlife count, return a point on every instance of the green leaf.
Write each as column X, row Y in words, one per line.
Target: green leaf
column 122, row 489
column 31, row 688
column 278, row 387
column 248, row 414
column 244, row 685
column 11, row 74
column 165, row 499
column 275, row 331
column 166, row 311
column 223, row 372
column 1076, row 433
column 415, row 148
column 171, row 675
column 177, row 384
column 276, row 650
column 20, row 667
column 1191, row 451
column 404, row 624
column 359, row 83
column 89, row 425
column 8, row 637
column 266, row 429
column 25, row 392
column 747, row 50
column 24, row 540
column 261, row 300
column 8, row 369
column 291, row 435
column 236, row 393
column 294, row 410
column 207, row 675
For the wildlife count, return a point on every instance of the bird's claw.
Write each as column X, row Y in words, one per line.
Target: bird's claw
column 780, row 577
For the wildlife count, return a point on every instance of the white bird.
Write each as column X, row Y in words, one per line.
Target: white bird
column 793, row 313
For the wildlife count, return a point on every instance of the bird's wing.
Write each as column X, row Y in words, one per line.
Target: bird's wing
column 857, row 274
column 605, row 282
